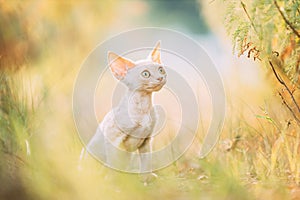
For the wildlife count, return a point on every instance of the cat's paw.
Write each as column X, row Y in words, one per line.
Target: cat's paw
column 148, row 178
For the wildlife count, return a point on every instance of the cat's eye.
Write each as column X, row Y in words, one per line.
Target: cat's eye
column 146, row 74
column 161, row 70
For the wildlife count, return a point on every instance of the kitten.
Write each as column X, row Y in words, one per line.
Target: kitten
column 130, row 125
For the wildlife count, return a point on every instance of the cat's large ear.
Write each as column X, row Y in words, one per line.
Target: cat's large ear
column 155, row 54
column 119, row 65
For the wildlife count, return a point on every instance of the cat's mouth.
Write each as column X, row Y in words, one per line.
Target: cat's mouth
column 155, row 87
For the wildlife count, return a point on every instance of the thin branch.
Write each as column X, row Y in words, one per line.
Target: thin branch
column 297, row 7
column 284, row 84
column 290, row 109
column 14, row 155
column 286, row 20
column 251, row 21
column 276, row 75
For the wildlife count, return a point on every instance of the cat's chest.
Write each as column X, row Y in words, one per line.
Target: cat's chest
column 134, row 113
column 127, row 133
column 131, row 121
column 144, row 124
column 138, row 125
column 139, row 105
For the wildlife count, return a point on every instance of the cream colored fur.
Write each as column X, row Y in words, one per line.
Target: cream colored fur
column 130, row 125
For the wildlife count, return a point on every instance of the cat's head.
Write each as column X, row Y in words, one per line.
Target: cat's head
column 145, row 75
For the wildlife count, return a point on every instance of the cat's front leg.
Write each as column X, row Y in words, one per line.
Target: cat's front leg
column 145, row 156
column 146, row 162
column 96, row 145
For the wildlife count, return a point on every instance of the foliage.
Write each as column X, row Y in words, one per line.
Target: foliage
column 16, row 128
column 16, row 111
column 269, row 31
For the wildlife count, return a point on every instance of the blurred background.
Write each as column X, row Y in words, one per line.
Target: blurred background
column 42, row 46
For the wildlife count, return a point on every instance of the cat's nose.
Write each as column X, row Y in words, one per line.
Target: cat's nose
column 160, row 79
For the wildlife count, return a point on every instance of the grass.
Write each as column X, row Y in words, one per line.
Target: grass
column 252, row 161
column 16, row 114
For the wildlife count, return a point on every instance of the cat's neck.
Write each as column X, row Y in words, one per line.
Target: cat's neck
column 139, row 93
column 139, row 102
